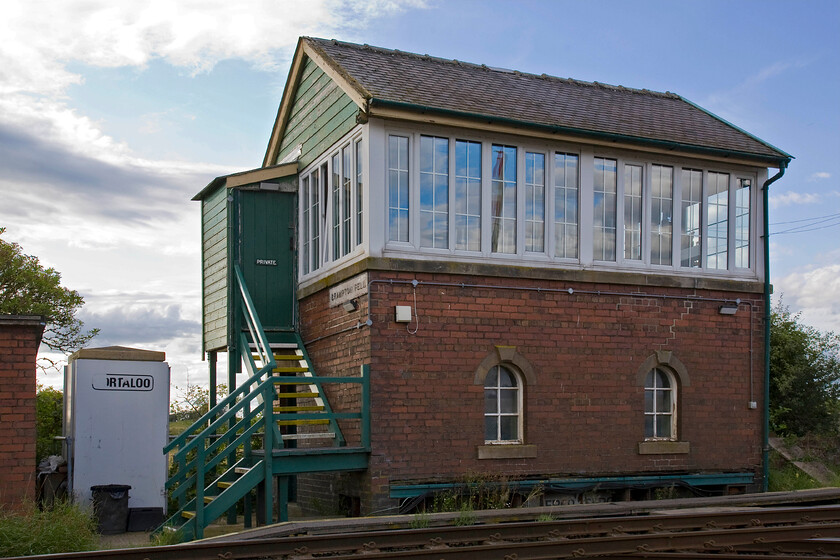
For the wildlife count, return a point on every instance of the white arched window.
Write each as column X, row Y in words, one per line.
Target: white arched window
column 660, row 405
column 502, row 406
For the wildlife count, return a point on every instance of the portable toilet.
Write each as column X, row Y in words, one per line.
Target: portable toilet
column 116, row 423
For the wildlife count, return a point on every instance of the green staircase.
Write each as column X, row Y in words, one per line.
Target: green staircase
column 275, row 425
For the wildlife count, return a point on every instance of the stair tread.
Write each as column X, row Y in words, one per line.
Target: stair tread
column 313, row 435
column 302, row 422
column 224, row 484
column 317, row 408
column 300, row 395
column 188, row 514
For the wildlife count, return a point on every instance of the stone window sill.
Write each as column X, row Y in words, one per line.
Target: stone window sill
column 664, row 447
column 507, row 451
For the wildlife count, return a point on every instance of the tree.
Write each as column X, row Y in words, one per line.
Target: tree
column 192, row 402
column 804, row 376
column 49, row 408
column 27, row 288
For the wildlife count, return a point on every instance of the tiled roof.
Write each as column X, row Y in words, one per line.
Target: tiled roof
column 389, row 77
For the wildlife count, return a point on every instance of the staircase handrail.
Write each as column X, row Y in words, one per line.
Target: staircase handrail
column 266, row 357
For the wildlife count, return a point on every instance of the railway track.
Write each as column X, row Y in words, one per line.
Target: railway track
column 782, row 532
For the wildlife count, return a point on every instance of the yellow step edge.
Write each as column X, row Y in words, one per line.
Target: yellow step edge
column 288, row 357
column 298, row 395
column 241, row 470
column 298, row 408
column 303, row 381
column 208, row 499
column 188, row 514
column 301, row 422
column 224, row 484
column 290, row 370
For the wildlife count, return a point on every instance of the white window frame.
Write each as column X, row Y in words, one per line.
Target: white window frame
column 585, row 159
column 322, row 221
column 498, row 414
column 653, row 412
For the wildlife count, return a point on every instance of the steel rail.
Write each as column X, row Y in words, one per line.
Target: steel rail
column 614, row 535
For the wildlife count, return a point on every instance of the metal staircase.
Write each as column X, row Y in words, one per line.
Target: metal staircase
column 276, row 424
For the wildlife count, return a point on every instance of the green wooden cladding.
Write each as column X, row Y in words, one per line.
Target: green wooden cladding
column 321, row 114
column 215, row 269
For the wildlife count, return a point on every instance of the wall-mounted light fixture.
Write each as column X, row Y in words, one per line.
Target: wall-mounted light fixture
column 728, row 309
column 350, row 306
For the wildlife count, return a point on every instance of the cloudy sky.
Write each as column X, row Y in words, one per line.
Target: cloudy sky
column 114, row 113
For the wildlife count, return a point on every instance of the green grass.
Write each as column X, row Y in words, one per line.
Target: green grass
column 65, row 527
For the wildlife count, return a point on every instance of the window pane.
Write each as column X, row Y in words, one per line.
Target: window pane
column 508, row 401
column 718, row 212
column 633, row 212
column 663, row 426
column 467, row 195
column 434, row 192
column 503, row 200
column 510, row 427
column 534, row 202
column 506, row 378
column 491, row 401
column 336, row 208
column 398, row 188
column 565, row 206
column 649, row 427
column 692, row 211
column 742, row 224
column 491, row 428
column 305, row 230
column 359, row 193
column 345, row 199
column 492, row 378
column 315, row 220
column 604, row 232
column 661, row 218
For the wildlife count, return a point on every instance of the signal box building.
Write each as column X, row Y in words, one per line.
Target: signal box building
column 556, row 283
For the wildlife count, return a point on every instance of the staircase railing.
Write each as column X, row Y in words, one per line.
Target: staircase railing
column 223, row 434
column 221, row 440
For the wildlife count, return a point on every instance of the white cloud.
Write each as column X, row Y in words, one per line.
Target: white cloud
column 819, row 175
column 41, row 36
column 816, row 293
column 789, row 198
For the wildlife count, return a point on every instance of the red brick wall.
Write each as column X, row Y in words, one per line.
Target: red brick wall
column 19, row 340
column 585, row 411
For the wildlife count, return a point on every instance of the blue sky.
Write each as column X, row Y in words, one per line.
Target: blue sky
column 113, row 114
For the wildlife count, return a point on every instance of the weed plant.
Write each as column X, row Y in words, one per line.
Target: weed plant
column 64, row 527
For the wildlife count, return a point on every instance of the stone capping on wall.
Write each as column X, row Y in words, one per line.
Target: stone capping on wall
column 24, row 320
column 120, row 353
column 647, row 279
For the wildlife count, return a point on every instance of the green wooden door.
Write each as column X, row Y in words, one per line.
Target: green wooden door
column 265, row 224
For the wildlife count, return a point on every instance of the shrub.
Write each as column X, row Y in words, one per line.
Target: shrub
column 64, row 527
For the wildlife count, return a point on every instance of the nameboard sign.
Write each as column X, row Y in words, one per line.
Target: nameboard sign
column 123, row 382
column 350, row 289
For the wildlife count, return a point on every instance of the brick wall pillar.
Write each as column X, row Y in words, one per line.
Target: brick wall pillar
column 20, row 337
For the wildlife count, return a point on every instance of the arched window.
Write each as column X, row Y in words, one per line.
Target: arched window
column 502, row 406
column 660, row 405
